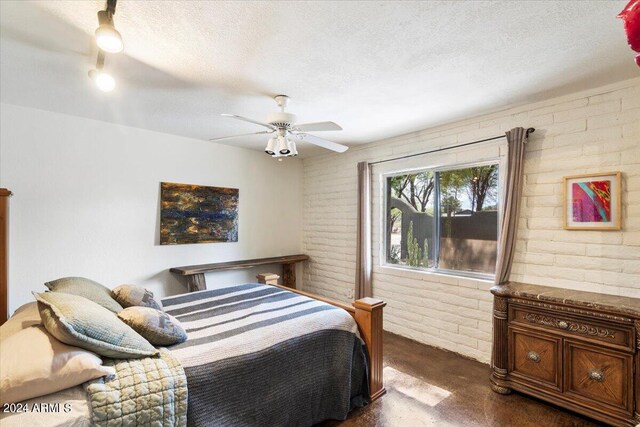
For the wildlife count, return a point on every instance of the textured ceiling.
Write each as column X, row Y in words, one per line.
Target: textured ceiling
column 377, row 68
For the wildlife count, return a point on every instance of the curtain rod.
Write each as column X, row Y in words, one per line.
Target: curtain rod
column 529, row 130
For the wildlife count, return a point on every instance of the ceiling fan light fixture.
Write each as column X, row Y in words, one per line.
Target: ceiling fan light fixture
column 271, row 147
column 283, row 146
column 107, row 37
column 293, row 151
column 104, row 81
column 286, row 131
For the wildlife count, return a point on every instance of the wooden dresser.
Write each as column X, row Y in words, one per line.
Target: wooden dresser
column 578, row 350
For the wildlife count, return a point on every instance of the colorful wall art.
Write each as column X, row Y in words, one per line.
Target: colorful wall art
column 197, row 214
column 592, row 202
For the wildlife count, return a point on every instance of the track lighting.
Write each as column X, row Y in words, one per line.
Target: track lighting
column 108, row 40
column 107, row 37
column 103, row 80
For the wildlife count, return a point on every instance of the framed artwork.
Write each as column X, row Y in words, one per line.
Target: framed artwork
column 197, row 214
column 592, row 201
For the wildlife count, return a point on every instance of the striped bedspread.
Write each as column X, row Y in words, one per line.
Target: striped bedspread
column 258, row 355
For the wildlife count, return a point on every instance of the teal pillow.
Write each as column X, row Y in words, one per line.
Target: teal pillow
column 76, row 321
column 85, row 288
column 158, row 327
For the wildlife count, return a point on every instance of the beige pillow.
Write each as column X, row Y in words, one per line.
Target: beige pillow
column 33, row 363
column 24, row 317
column 130, row 296
column 156, row 326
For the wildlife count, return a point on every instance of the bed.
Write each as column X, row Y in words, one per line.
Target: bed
column 257, row 355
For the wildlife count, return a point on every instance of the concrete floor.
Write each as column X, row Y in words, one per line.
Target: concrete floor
column 432, row 387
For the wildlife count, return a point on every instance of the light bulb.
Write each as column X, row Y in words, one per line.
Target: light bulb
column 104, row 81
column 109, row 39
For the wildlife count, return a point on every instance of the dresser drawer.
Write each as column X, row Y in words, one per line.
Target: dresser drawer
column 535, row 358
column 588, row 328
column 598, row 377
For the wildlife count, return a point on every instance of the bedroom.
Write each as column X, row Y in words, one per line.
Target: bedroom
column 473, row 131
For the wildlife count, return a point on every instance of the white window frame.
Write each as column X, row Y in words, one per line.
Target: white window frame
column 436, row 270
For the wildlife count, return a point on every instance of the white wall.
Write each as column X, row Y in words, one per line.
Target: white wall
column 86, row 202
column 594, row 131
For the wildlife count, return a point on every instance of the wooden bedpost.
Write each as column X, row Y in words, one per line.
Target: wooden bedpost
column 4, row 253
column 268, row 278
column 368, row 316
column 367, row 312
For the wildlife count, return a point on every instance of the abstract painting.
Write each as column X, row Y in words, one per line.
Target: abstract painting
column 592, row 202
column 197, row 214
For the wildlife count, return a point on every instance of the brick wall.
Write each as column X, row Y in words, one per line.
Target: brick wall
column 593, row 131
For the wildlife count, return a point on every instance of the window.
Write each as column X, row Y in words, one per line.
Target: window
column 443, row 220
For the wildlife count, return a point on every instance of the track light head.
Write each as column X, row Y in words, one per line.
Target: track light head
column 107, row 37
column 103, row 81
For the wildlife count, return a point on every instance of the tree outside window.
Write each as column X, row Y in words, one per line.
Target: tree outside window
column 444, row 220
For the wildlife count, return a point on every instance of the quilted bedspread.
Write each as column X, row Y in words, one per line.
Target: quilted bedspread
column 151, row 391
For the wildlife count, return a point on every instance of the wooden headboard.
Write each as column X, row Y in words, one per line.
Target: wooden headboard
column 4, row 253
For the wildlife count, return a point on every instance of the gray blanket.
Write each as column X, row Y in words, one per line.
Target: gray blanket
column 258, row 355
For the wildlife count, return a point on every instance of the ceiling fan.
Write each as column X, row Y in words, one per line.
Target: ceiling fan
column 286, row 132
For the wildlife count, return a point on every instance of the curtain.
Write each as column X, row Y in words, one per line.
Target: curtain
column 363, row 250
column 516, row 138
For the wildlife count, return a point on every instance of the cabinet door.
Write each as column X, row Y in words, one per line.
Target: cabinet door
column 535, row 358
column 598, row 377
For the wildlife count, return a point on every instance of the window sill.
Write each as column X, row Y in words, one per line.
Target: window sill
column 488, row 278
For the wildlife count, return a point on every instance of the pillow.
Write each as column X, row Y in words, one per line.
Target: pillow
column 85, row 288
column 129, row 296
column 25, row 316
column 33, row 363
column 158, row 327
column 75, row 320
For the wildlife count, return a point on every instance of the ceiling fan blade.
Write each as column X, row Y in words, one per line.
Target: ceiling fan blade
column 240, row 136
column 321, row 142
column 317, row 126
column 255, row 122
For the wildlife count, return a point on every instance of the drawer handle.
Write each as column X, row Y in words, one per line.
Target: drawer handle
column 534, row 357
column 563, row 325
column 596, row 375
